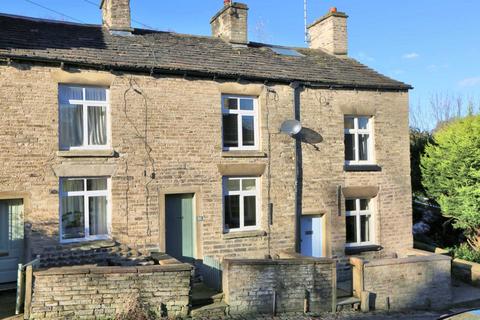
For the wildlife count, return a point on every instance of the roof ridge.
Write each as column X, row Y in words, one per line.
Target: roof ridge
column 35, row 19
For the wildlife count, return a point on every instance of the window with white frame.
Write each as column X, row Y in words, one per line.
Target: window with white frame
column 358, row 140
column 359, row 222
column 83, row 117
column 84, row 209
column 241, row 203
column 240, row 123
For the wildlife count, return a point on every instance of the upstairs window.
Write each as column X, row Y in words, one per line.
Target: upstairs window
column 358, row 140
column 84, row 209
column 240, row 123
column 83, row 117
column 241, row 201
column 359, row 222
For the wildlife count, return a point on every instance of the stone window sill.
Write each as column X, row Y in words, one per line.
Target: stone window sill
column 362, row 168
column 86, row 153
column 357, row 250
column 244, row 154
column 244, row 234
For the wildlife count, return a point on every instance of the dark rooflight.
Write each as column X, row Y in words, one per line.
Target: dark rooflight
column 286, row 52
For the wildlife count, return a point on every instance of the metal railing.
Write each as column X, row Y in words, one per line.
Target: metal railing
column 25, row 287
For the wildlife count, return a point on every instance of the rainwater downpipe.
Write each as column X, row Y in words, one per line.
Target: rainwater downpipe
column 297, row 88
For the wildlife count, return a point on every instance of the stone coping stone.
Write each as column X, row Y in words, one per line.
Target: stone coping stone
column 114, row 270
column 295, row 261
column 406, row 260
column 467, row 265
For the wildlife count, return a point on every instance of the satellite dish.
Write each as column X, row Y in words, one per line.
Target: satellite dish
column 291, row 127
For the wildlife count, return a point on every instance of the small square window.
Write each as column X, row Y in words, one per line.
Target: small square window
column 359, row 231
column 84, row 212
column 240, row 123
column 240, row 204
column 83, row 117
column 358, row 140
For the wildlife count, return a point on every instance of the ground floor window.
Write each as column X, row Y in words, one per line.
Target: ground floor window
column 359, row 222
column 241, row 203
column 84, row 209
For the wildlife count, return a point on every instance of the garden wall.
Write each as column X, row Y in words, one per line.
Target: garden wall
column 251, row 286
column 414, row 280
column 103, row 292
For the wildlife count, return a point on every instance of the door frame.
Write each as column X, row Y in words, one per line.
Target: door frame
column 197, row 223
column 25, row 197
column 326, row 248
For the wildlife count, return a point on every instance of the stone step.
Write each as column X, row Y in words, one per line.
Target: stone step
column 203, row 295
column 348, row 303
column 212, row 311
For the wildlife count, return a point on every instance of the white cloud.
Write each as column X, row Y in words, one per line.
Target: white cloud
column 411, row 55
column 470, row 82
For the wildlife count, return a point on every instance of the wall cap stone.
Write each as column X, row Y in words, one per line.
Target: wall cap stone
column 113, row 270
column 406, row 260
column 304, row 260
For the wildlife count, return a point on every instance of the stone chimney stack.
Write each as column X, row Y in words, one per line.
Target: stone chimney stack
column 230, row 23
column 329, row 33
column 116, row 15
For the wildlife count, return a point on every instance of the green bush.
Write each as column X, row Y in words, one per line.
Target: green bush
column 451, row 174
column 465, row 252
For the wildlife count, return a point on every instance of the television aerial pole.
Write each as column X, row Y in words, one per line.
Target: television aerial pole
column 305, row 8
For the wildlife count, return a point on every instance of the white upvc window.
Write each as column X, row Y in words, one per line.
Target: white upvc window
column 359, row 222
column 358, row 140
column 85, row 212
column 83, row 118
column 240, row 123
column 241, row 202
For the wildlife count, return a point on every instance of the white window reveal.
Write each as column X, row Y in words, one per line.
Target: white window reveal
column 240, row 123
column 84, row 209
column 358, row 140
column 359, row 222
column 241, row 203
column 83, row 117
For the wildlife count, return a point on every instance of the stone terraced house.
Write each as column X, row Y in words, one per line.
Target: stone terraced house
column 152, row 154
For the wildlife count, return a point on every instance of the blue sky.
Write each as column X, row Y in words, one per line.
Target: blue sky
column 433, row 45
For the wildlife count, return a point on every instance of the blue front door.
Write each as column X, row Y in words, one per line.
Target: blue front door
column 311, row 236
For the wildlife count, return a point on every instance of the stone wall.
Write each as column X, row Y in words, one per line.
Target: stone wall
column 412, row 281
column 103, row 292
column 184, row 132
column 250, row 286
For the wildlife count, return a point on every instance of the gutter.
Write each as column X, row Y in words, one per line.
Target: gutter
column 200, row 74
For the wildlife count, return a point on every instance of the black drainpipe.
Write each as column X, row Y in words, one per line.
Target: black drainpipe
column 298, row 166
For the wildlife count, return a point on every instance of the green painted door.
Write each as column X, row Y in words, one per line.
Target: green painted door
column 180, row 230
column 11, row 239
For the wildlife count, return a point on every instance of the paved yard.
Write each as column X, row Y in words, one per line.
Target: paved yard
column 352, row 316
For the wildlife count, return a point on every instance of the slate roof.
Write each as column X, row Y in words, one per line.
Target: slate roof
column 168, row 52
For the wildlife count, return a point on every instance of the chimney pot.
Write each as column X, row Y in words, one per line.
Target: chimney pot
column 329, row 33
column 231, row 23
